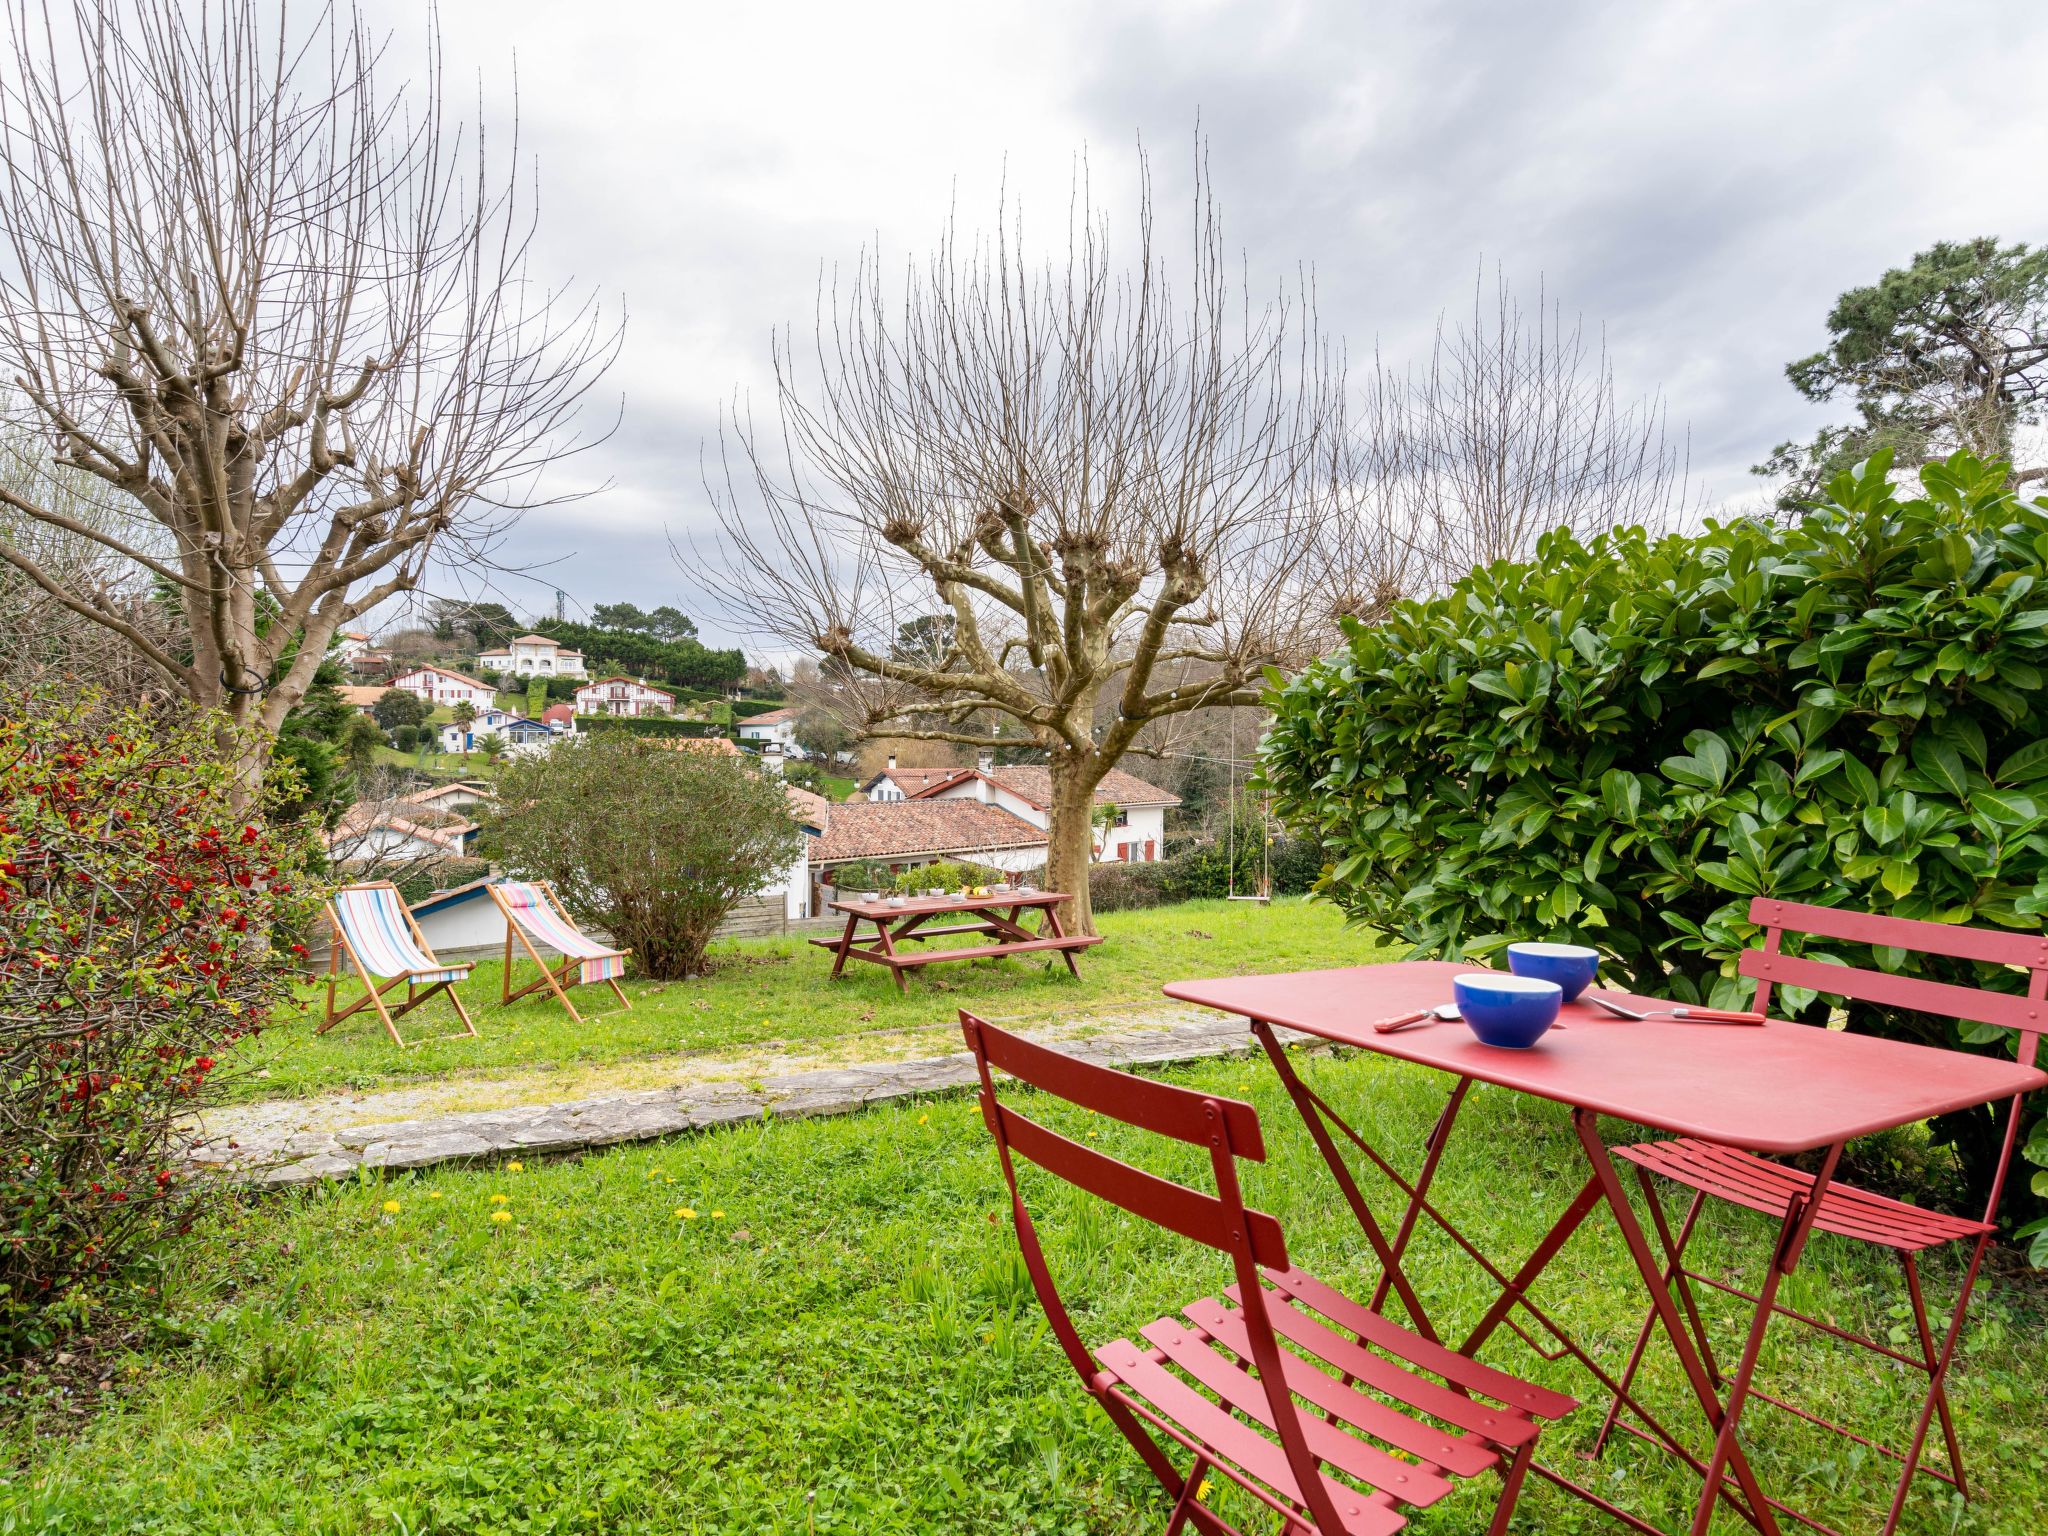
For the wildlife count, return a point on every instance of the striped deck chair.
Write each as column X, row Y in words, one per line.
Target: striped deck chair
column 374, row 929
column 534, row 913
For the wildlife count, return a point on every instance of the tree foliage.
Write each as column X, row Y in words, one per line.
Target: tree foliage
column 1946, row 354
column 664, row 623
column 653, row 842
column 684, row 662
column 145, row 927
column 400, row 706
column 1623, row 741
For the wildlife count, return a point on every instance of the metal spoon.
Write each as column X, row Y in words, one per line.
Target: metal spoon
column 1690, row 1015
column 1446, row 1012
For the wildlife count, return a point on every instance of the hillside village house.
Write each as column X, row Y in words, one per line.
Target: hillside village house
column 894, row 783
column 350, row 644
column 776, row 727
column 439, row 687
column 398, row 831
column 623, row 696
column 1136, row 832
column 513, row 730
column 362, row 698
column 903, row 834
column 534, row 656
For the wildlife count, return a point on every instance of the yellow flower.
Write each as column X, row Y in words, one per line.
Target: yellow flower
column 686, row 1213
column 391, row 1207
column 501, row 1215
column 668, row 1181
column 515, row 1167
column 1202, row 1492
column 718, row 1215
column 501, row 1199
column 921, row 1119
column 433, row 1194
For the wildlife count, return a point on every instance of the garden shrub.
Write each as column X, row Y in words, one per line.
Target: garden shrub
column 1128, row 887
column 144, row 929
column 947, row 874
column 406, row 738
column 652, row 845
column 649, row 725
column 1622, row 741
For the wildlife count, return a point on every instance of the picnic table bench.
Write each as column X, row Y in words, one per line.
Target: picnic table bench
column 998, row 916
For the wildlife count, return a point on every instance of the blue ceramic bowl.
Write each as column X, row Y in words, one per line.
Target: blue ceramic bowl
column 1571, row 966
column 1512, row 1011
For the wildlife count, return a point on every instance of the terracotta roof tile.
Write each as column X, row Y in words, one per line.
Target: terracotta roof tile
column 773, row 716
column 883, row 829
column 1033, row 782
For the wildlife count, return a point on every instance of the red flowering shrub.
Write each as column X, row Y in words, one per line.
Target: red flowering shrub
column 137, row 916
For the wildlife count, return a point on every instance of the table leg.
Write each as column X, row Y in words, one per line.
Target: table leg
column 845, row 943
column 1305, row 1105
column 1727, row 1455
column 1438, row 1138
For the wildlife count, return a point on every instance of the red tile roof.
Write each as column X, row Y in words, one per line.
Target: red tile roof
column 773, row 716
column 808, row 808
column 889, row 829
column 559, row 714
column 460, row 677
column 1033, row 782
column 914, row 780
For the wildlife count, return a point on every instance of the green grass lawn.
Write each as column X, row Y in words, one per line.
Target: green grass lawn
column 451, row 763
column 842, row 1340
column 778, row 989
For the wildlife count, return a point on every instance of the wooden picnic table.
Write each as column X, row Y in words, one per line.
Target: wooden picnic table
column 998, row 916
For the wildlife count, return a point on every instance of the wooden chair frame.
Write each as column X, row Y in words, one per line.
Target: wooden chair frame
column 374, row 995
column 556, row 978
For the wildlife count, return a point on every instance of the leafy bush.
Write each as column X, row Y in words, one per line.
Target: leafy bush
column 1621, row 743
column 649, row 725
column 746, row 709
column 862, row 877
column 1127, row 887
column 406, row 738
column 142, row 933
column 945, row 874
column 653, row 845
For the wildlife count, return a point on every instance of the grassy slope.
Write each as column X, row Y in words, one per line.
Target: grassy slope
column 851, row 1346
column 777, row 989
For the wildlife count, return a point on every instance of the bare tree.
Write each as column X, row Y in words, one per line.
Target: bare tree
column 282, row 317
column 1114, row 490
column 42, row 640
column 1513, row 428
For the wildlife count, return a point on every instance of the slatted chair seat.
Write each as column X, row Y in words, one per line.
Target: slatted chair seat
column 1761, row 1185
column 1334, row 1416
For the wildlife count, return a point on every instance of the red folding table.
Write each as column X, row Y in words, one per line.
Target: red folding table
column 1775, row 1089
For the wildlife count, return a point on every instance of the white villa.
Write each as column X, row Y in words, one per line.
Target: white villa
column 1136, row 833
column 456, row 737
column 534, row 656
column 350, row 644
column 439, row 686
column 777, row 727
column 894, row 783
column 623, row 696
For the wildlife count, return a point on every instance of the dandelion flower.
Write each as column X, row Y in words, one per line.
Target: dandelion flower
column 433, row 1194
column 501, row 1215
column 921, row 1119
column 686, row 1213
column 515, row 1167
column 1202, row 1492
column 718, row 1215
column 501, row 1199
column 391, row 1207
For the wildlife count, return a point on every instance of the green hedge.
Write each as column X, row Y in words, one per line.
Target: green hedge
column 1622, row 742
column 746, row 709
column 650, row 725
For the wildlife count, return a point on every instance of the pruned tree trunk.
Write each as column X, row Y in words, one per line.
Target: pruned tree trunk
column 1070, row 835
column 1045, row 503
column 281, row 324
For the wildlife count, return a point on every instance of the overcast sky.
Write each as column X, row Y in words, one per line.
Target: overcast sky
column 1700, row 180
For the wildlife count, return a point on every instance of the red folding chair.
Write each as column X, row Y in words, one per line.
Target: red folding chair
column 1216, row 1382
column 1758, row 1184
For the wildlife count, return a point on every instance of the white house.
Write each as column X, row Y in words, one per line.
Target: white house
column 384, row 833
column 1136, row 832
column 534, row 656
column 439, row 686
column 515, row 731
column 623, row 696
column 894, row 783
column 459, row 796
column 776, row 727
column 903, row 834
column 350, row 644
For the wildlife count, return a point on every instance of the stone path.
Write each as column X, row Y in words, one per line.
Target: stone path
column 288, row 1142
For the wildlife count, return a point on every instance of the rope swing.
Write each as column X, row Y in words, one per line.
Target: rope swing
column 1264, row 894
